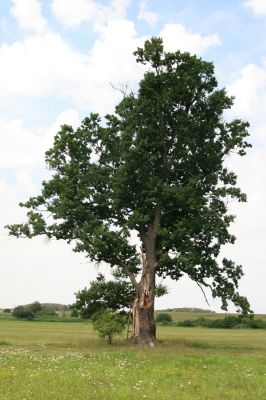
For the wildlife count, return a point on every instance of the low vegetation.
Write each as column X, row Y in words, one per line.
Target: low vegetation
column 188, row 309
column 37, row 310
column 164, row 318
column 43, row 361
column 230, row 322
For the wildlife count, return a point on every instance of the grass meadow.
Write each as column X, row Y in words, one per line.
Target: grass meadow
column 58, row 361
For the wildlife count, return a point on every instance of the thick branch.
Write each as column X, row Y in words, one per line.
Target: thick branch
column 132, row 278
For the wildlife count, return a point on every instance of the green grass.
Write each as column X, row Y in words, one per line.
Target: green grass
column 46, row 360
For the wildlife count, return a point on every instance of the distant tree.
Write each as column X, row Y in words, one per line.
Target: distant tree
column 35, row 307
column 7, row 310
column 55, row 306
column 23, row 312
column 108, row 324
column 47, row 311
column 74, row 311
column 155, row 170
column 164, row 318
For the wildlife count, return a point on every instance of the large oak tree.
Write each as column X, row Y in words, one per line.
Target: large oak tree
column 155, row 171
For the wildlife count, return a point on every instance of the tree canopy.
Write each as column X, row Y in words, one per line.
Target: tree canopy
column 146, row 190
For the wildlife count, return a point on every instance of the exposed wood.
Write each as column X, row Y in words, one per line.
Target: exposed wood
column 144, row 328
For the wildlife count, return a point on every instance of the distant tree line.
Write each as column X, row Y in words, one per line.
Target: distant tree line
column 30, row 311
column 229, row 322
column 187, row 309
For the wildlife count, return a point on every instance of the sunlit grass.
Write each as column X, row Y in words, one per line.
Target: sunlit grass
column 68, row 361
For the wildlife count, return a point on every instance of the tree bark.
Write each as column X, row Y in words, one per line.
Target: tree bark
column 144, row 328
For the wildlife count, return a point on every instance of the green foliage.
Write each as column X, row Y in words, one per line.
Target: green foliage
column 164, row 318
column 23, row 312
column 33, row 310
column 227, row 323
column 161, row 290
column 189, row 310
column 108, row 324
column 104, row 295
column 47, row 311
column 7, row 310
column 159, row 157
column 74, row 312
column 55, row 307
column 35, row 307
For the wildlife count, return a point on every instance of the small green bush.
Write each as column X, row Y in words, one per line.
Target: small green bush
column 227, row 322
column 164, row 318
column 108, row 324
column 186, row 322
column 256, row 323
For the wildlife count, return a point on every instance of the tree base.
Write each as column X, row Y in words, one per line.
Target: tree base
column 143, row 341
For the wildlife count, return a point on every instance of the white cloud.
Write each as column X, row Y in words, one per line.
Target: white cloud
column 111, row 61
column 73, row 13
column 68, row 117
column 250, row 92
column 145, row 15
column 257, row 6
column 22, row 149
column 28, row 14
column 39, row 65
column 177, row 37
column 44, row 65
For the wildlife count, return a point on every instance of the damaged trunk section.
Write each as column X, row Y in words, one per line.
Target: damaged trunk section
column 144, row 328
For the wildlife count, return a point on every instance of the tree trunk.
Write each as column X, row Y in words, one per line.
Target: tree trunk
column 144, row 328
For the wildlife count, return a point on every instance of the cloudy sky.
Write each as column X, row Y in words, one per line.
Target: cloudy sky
column 58, row 59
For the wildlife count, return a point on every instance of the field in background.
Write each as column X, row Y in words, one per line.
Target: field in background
column 41, row 360
column 182, row 316
column 176, row 316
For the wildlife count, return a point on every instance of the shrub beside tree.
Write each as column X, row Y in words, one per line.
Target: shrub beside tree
column 108, row 324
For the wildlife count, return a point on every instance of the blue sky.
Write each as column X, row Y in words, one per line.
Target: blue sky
column 58, row 59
